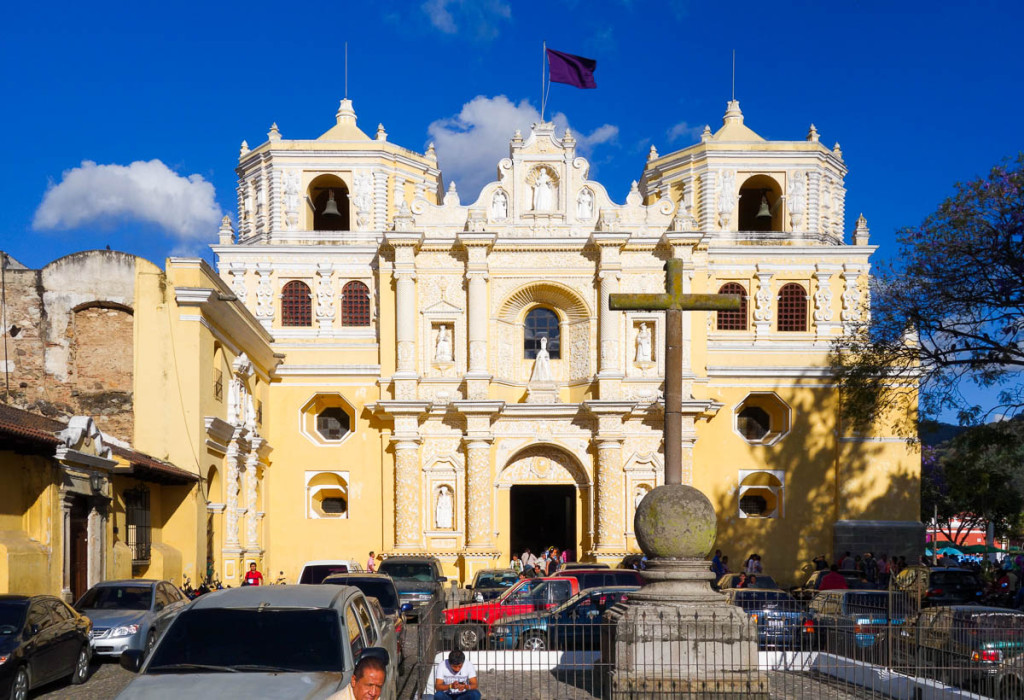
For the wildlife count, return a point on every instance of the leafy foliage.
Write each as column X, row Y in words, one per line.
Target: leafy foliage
column 978, row 478
column 950, row 310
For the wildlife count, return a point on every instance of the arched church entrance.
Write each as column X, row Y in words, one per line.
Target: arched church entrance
column 548, row 501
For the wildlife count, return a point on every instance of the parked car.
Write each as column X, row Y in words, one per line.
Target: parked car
column 813, row 584
column 418, row 579
column 316, row 571
column 851, row 622
column 488, row 584
column 1009, row 680
column 940, row 585
column 575, row 624
column 380, row 588
column 41, row 640
column 582, row 565
column 291, row 641
column 129, row 614
column 781, row 620
column 591, row 577
column 970, row 646
column 468, row 624
column 762, row 581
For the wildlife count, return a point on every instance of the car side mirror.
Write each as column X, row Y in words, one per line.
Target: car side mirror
column 159, row 606
column 469, row 587
column 33, row 630
column 131, row 660
column 442, row 579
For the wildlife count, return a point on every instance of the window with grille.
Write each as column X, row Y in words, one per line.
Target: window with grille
column 733, row 320
column 792, row 308
column 754, row 504
column 296, row 305
column 541, row 323
column 218, row 385
column 753, row 422
column 333, row 505
column 137, row 524
column 332, row 423
column 355, row 304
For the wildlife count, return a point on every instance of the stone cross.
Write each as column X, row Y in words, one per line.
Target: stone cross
column 673, row 302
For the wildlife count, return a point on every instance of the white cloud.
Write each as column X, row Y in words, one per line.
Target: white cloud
column 470, row 144
column 684, row 130
column 479, row 17
column 146, row 191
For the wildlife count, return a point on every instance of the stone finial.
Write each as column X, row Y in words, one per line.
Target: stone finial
column 861, row 233
column 568, row 140
column 431, row 153
column 517, row 138
column 838, row 151
column 381, row 134
column 652, row 154
column 403, row 218
column 346, row 115
column 733, row 113
column 274, row 134
column 676, row 521
column 244, row 150
column 226, row 234
column 451, row 198
column 812, row 134
column 706, row 134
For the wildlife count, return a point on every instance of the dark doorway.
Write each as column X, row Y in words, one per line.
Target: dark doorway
column 78, row 542
column 542, row 516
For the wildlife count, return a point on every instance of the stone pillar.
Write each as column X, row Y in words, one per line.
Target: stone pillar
column 477, row 322
column 763, row 305
column 478, row 494
column 66, row 502
column 252, row 462
column 610, row 367
column 231, row 476
column 610, row 535
column 324, row 295
column 405, row 320
column 408, row 525
column 611, row 355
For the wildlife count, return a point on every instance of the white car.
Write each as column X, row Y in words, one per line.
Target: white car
column 296, row 642
column 317, row 570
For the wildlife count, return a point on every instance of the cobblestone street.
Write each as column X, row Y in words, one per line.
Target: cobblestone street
column 106, row 680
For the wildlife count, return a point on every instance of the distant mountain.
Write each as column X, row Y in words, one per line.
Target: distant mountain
column 933, row 433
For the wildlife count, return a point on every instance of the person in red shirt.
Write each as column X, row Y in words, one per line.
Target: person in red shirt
column 833, row 580
column 252, row 576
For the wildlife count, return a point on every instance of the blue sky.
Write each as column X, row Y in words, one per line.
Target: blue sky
column 920, row 95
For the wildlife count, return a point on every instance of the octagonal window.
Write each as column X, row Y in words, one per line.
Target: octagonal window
column 328, row 419
column 761, row 493
column 332, row 423
column 762, row 418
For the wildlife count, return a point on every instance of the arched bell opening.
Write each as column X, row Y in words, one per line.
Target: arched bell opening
column 760, row 206
column 328, row 195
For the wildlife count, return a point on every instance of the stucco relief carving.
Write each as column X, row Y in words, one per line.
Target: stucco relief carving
column 264, row 295
column 608, row 506
column 477, row 353
column 561, row 259
column 291, row 197
column 851, row 313
column 440, row 394
column 642, row 284
column 406, row 353
column 442, row 449
column 251, row 495
column 796, row 199
column 324, row 298
column 407, row 499
column 238, row 283
column 478, row 499
column 231, row 476
column 543, row 465
column 823, row 298
column 579, row 351
column 726, row 186
column 362, row 198
column 763, row 299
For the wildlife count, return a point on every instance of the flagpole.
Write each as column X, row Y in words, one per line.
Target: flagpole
column 543, row 66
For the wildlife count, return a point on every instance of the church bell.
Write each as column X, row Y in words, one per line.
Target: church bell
column 765, row 211
column 331, row 209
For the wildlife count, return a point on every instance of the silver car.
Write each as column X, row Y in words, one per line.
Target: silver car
column 295, row 641
column 129, row 614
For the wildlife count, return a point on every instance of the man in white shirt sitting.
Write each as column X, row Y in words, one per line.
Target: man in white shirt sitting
column 455, row 677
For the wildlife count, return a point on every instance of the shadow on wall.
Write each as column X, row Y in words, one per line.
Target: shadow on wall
column 857, row 482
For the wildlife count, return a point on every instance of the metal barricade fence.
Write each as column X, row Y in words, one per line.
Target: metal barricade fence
column 857, row 649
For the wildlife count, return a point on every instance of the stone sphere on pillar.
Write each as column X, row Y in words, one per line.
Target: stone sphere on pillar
column 675, row 521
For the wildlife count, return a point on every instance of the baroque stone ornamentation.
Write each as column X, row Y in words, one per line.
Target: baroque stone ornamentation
column 726, row 186
column 291, row 200
column 796, row 199
column 823, row 298
column 362, row 198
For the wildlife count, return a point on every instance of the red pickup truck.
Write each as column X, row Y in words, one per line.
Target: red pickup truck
column 468, row 623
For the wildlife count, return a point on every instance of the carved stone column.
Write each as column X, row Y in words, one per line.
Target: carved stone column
column 324, row 296
column 252, row 463
column 478, row 494
column 405, row 320
column 66, row 502
column 763, row 305
column 231, row 477
column 408, row 525
column 477, row 245
column 609, row 326
column 611, row 526
column 610, row 355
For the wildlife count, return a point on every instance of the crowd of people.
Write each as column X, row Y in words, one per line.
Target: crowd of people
column 530, row 565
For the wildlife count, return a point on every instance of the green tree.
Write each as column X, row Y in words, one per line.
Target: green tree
column 977, row 478
column 949, row 310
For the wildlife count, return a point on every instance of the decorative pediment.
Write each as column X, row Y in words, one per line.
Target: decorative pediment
column 83, row 436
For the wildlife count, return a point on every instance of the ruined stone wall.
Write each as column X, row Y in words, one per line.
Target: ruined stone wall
column 73, row 352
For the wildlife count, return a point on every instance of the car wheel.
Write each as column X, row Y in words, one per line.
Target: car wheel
column 150, row 643
column 1011, row 689
column 81, row 673
column 19, row 689
column 534, row 641
column 468, row 637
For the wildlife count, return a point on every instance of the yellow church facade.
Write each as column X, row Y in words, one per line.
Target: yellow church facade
column 447, row 378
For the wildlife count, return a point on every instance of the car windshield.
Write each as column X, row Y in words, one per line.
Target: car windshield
column 384, row 591
column 12, row 617
column 950, row 578
column 116, row 598
column 316, row 573
column 409, row 571
column 501, row 580
column 252, row 639
column 989, row 628
column 761, row 600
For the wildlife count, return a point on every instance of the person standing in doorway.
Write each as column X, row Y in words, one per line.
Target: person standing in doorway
column 252, row 576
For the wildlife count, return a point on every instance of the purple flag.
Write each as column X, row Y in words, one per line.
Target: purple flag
column 571, row 70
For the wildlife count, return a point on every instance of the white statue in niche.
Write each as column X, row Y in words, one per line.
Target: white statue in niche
column 640, row 493
column 543, row 192
column 499, row 205
column 444, row 511
column 585, row 204
column 443, row 348
column 542, row 363
column 643, row 344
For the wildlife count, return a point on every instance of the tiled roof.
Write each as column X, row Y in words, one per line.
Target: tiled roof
column 40, row 429
column 150, row 468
